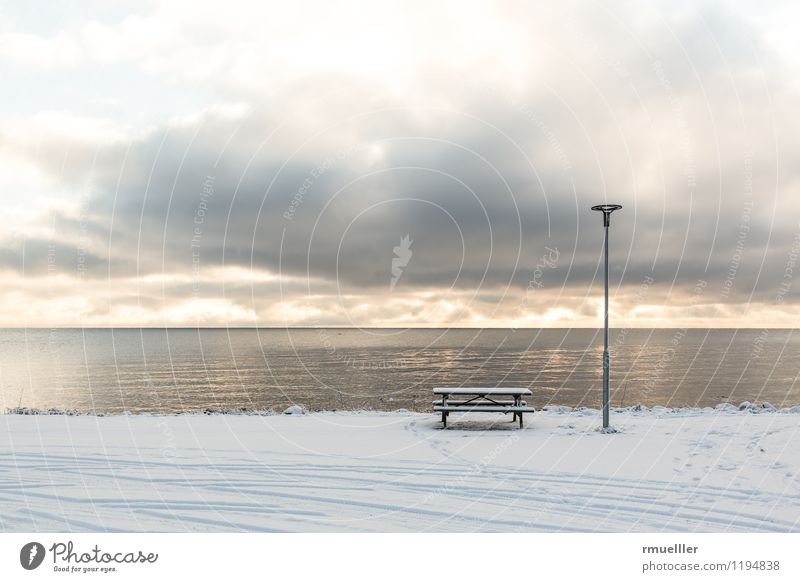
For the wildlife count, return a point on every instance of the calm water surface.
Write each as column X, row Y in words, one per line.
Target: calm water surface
column 170, row 370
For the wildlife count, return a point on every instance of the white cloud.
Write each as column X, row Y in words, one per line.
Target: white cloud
column 614, row 100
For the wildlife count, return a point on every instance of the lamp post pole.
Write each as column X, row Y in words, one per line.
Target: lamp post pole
column 606, row 209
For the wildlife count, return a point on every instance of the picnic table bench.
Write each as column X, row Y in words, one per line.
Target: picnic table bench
column 482, row 400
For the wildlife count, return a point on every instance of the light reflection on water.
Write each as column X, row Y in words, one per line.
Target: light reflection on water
column 170, row 370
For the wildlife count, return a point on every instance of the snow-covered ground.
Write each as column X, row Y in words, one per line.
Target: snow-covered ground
column 685, row 470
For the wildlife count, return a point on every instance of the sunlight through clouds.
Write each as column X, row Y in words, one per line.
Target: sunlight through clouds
column 237, row 164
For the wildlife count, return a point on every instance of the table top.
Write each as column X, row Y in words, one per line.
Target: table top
column 482, row 391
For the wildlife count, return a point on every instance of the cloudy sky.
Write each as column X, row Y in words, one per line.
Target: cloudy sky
column 185, row 163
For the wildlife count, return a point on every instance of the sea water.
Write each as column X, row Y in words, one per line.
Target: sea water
column 191, row 370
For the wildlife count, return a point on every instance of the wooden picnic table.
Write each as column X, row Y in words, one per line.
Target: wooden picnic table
column 481, row 399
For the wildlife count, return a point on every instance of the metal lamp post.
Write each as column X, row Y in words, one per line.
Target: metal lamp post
column 606, row 209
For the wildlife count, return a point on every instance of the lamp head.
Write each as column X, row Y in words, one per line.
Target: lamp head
column 607, row 209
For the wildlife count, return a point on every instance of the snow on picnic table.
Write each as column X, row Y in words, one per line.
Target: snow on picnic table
column 683, row 470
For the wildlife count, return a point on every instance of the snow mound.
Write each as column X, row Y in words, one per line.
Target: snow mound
column 295, row 410
column 756, row 408
column 558, row 409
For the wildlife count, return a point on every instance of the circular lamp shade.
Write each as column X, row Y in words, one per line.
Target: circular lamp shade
column 607, row 209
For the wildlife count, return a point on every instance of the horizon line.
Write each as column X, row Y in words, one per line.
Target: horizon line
column 356, row 327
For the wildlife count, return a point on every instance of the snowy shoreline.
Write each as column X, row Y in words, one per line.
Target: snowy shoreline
column 725, row 407
column 721, row 469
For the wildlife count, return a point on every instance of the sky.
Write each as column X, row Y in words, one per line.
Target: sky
column 398, row 164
